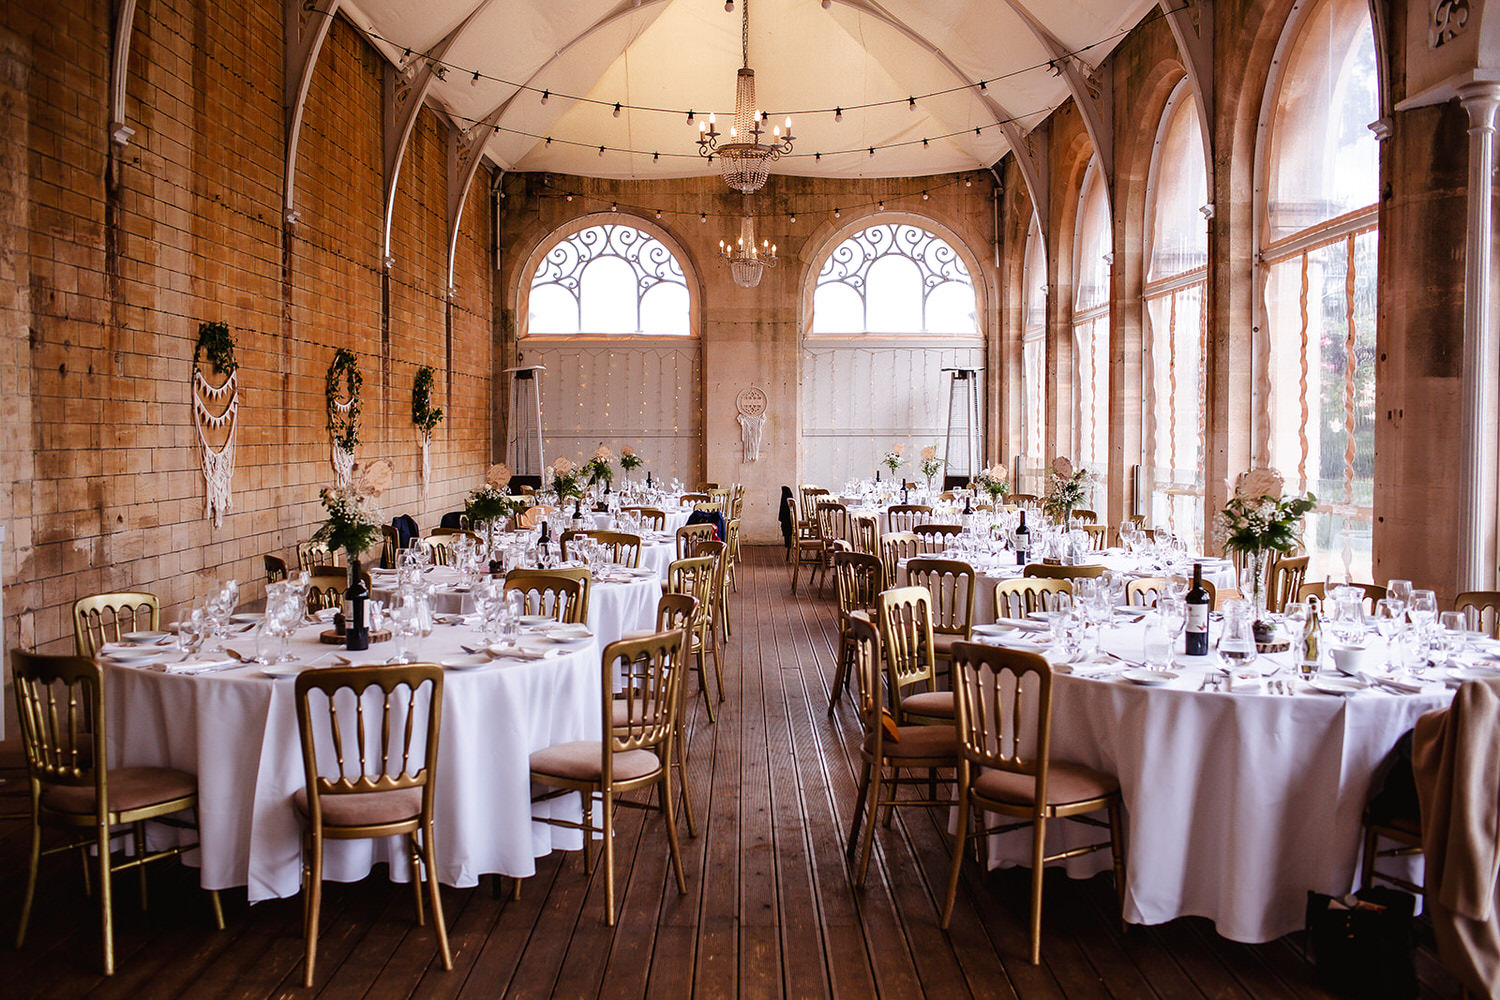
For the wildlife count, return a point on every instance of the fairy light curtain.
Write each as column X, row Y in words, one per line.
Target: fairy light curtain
column 608, row 315
column 894, row 304
column 1316, row 382
column 1176, row 283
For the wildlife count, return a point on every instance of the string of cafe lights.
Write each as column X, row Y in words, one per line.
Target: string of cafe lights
column 835, row 210
column 442, row 68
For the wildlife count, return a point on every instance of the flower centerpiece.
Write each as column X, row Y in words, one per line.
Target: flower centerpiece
column 993, row 481
column 490, row 502
column 597, row 469
column 1259, row 521
column 931, row 464
column 1067, row 490
column 894, row 459
column 564, row 480
column 354, row 517
column 629, row 461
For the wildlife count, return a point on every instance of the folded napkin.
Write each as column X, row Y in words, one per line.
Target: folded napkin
column 1094, row 670
column 1014, row 641
column 326, row 615
column 1246, row 680
column 200, row 666
column 1394, row 685
column 521, row 653
column 1024, row 624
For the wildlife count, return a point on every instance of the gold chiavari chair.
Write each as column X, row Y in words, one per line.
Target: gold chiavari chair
column 807, row 499
column 561, row 594
column 1287, row 575
column 688, row 499
column 737, row 504
column 833, row 520
column 1482, row 608
column 637, row 753
column 859, row 578
column 905, row 617
column 894, row 547
column 650, row 517
column 934, row 537
column 61, row 711
column 1019, row 598
column 1044, row 571
column 275, row 568
column 1023, row 498
column 326, row 587
column 690, row 537
column 1096, row 533
column 674, row 613
column 864, row 533
column 695, row 577
column 1085, row 515
column 101, row 618
column 393, row 760
column 1373, row 593
column 439, row 549
column 1145, row 591
column 951, row 583
column 450, row 532
column 727, row 577
column 314, row 555
column 807, row 545
column 906, row 516
column 1002, row 694
column 390, row 541
column 623, row 547
column 721, row 497
column 912, row 748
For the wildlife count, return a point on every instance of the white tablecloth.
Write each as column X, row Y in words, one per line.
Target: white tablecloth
column 1236, row 803
column 614, row 608
column 237, row 730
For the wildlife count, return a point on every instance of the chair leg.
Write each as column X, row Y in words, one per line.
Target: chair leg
column 864, row 857
column 708, row 702
column 1367, row 863
column 106, row 904
column 1038, row 852
column 890, row 806
column 139, row 836
column 859, row 813
column 609, row 857
column 588, row 832
column 957, row 864
column 213, row 898
column 439, row 924
column 840, row 676
column 414, row 854
column 1117, row 852
column 718, row 666
column 314, row 908
column 668, row 808
column 679, row 751
column 35, row 860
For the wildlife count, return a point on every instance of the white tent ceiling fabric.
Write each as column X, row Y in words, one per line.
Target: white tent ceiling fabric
column 683, row 54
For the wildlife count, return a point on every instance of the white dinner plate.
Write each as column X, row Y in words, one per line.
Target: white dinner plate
column 246, row 618
column 465, row 662
column 1149, row 678
column 142, row 638
column 537, row 619
column 283, row 669
column 1338, row 685
column 994, row 630
column 639, row 571
column 149, row 660
column 133, row 657
column 1472, row 674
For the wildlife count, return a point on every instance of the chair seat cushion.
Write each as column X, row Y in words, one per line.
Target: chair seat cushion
column 1066, row 782
column 579, row 761
column 942, row 643
column 929, row 703
column 129, row 788
column 919, row 741
column 392, row 805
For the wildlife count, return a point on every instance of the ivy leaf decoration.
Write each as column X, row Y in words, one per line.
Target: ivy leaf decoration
column 343, row 424
column 422, row 412
column 215, row 341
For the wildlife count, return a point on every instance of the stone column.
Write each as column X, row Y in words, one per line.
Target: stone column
column 1479, row 470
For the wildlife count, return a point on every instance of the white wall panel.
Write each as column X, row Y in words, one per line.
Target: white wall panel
column 622, row 392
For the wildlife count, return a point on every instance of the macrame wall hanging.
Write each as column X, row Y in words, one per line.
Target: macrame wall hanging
column 425, row 417
column 215, row 409
column 343, row 413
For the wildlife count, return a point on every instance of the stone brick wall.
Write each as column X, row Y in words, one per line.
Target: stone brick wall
column 114, row 255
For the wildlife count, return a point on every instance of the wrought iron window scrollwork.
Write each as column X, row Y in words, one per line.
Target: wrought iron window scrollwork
column 565, row 265
column 937, row 262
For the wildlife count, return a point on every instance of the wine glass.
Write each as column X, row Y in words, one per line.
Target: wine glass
column 403, row 627
column 1454, row 627
column 1423, row 608
column 1174, row 615
column 1400, row 592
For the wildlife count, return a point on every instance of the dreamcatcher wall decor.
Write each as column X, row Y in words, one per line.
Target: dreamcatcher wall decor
column 215, row 412
column 343, row 413
column 424, row 416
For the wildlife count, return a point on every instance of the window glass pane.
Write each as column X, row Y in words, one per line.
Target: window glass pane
column 894, row 279
column 1092, row 345
column 1324, row 160
column 1093, row 244
column 610, row 280
column 1176, row 443
column 1034, row 280
column 1179, row 233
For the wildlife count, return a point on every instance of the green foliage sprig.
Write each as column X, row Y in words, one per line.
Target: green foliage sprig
column 215, row 341
column 344, row 425
column 1260, row 524
column 422, row 412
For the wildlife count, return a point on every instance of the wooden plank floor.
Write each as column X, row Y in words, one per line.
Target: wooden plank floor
column 771, row 910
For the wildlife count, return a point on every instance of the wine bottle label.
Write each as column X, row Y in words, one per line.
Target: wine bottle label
column 1197, row 617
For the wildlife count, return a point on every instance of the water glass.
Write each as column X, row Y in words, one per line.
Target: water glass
column 1454, row 627
column 1400, row 592
column 1156, row 646
column 1423, row 609
column 1174, row 614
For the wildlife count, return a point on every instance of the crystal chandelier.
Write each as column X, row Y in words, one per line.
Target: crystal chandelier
column 747, row 260
column 744, row 160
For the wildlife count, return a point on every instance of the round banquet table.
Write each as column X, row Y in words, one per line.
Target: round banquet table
column 615, row 606
column 1237, row 803
column 237, row 730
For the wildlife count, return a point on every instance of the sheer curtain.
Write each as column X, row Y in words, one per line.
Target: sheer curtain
column 1091, row 329
column 1033, row 362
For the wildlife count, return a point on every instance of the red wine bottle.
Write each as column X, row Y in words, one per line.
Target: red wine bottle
column 1195, row 642
column 1023, row 541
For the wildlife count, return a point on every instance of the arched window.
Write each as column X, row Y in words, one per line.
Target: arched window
column 893, row 307
column 610, row 280
column 1176, row 282
column 1033, row 358
column 609, row 316
column 1091, row 325
column 1319, row 185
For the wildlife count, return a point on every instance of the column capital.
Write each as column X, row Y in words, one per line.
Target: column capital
column 1481, row 99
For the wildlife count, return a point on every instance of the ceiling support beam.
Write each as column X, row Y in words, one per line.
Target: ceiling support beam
column 404, row 91
column 1034, row 157
column 119, row 69
column 305, row 26
column 465, row 148
column 1192, row 27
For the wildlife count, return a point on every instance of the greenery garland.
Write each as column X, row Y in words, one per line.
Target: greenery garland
column 344, row 426
column 215, row 340
column 422, row 413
